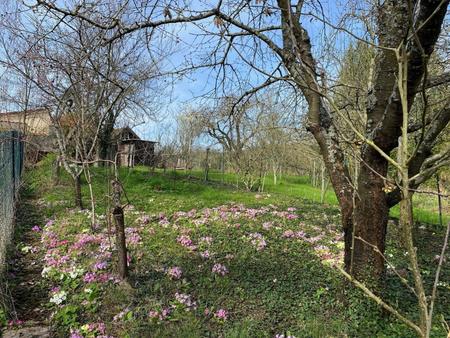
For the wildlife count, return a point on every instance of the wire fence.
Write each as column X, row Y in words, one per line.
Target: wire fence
column 11, row 164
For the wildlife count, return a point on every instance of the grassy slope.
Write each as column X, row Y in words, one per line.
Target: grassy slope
column 425, row 206
column 282, row 288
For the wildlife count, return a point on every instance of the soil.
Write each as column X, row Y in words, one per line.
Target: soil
column 26, row 295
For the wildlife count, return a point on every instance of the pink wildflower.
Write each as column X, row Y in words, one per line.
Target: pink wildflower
column 267, row 225
column 165, row 313
column 98, row 327
column 288, row 234
column 221, row 314
column 175, row 272
column 205, row 254
column 184, row 240
column 36, row 228
column 219, row 269
column 17, row 322
column 186, row 300
column 100, row 265
column 207, row 239
column 90, row 277
column 258, row 241
column 75, row 334
column 153, row 314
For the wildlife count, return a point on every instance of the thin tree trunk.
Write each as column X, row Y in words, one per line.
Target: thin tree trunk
column 56, row 172
column 78, row 196
column 87, row 173
column 119, row 220
column 323, row 183
column 207, row 165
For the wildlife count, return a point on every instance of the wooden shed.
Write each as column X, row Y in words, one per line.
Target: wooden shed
column 131, row 149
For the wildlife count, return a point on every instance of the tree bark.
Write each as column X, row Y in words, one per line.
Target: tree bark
column 369, row 222
column 78, row 195
column 122, row 264
column 56, row 172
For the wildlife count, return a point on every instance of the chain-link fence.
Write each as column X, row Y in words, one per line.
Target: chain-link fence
column 11, row 164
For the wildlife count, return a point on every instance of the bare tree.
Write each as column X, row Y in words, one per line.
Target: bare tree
column 273, row 39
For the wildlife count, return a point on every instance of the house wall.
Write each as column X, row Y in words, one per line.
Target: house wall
column 35, row 122
column 136, row 152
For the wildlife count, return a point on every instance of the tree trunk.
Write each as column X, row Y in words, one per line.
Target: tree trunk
column 369, row 222
column 119, row 220
column 78, row 196
column 206, row 176
column 104, row 141
column 56, row 172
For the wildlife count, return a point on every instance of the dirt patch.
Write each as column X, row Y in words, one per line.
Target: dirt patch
column 26, row 293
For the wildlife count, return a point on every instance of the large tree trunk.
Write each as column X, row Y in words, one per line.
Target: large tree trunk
column 366, row 231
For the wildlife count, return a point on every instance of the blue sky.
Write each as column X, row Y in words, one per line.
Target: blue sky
column 185, row 90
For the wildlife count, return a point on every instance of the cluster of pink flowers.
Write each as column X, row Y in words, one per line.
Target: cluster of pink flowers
column 161, row 315
column 164, row 222
column 75, row 334
column 175, row 272
column 292, row 216
column 54, row 259
column 17, row 322
column 186, row 300
column 49, row 223
column 92, row 277
column 205, row 254
column 267, row 225
column 257, row 240
column 206, row 239
column 97, row 327
column 219, row 269
column 221, row 314
column 121, row 314
column 84, row 239
column 292, row 234
column 200, row 221
column 186, row 241
column 132, row 236
column 100, row 265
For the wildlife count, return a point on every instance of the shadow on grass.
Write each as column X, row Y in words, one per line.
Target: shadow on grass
column 24, row 267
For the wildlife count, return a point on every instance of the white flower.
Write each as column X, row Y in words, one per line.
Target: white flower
column 45, row 271
column 59, row 297
column 26, row 249
column 88, row 290
column 76, row 272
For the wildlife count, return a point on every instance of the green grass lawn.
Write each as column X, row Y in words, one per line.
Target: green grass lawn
column 425, row 206
column 209, row 260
